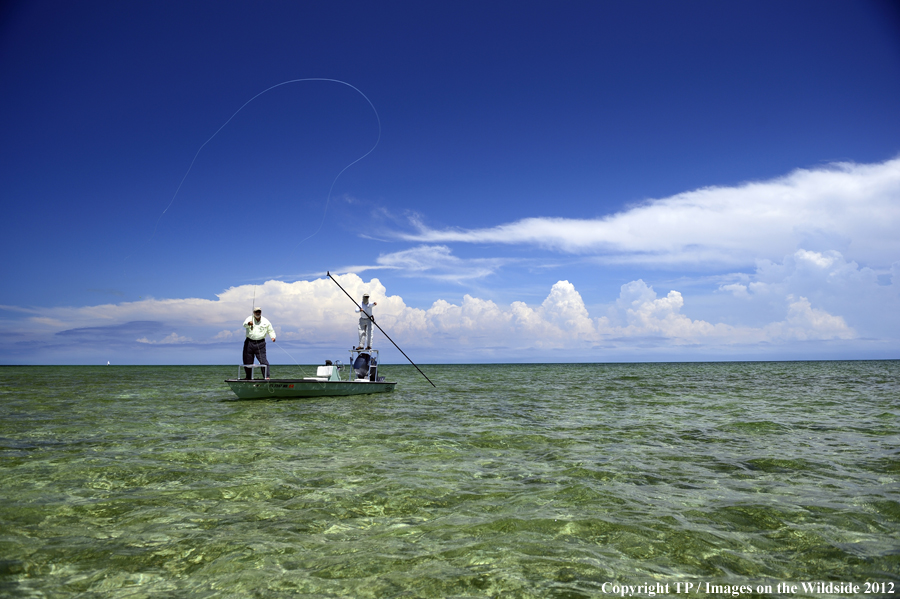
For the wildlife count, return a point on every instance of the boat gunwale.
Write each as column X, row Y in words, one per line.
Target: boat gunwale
column 309, row 380
column 305, row 388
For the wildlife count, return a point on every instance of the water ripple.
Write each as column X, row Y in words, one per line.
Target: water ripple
column 505, row 480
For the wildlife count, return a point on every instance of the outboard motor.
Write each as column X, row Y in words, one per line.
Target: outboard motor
column 361, row 365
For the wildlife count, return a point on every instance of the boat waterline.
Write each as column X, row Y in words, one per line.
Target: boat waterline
column 289, row 388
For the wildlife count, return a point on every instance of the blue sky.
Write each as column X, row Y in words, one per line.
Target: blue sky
column 589, row 181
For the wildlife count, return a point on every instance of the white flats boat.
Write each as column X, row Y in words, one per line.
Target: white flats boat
column 362, row 379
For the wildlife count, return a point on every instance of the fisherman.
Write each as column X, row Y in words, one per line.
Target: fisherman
column 255, row 344
column 366, row 322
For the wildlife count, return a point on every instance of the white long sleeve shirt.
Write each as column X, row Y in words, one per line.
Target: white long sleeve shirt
column 367, row 308
column 260, row 328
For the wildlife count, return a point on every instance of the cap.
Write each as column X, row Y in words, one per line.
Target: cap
column 257, row 309
column 365, row 295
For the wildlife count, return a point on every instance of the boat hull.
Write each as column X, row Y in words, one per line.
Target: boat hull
column 287, row 388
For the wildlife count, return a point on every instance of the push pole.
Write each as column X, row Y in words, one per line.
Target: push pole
column 380, row 329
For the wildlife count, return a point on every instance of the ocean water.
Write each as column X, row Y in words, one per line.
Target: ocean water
column 556, row 480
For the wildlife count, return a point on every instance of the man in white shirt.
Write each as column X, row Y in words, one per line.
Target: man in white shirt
column 366, row 320
column 257, row 328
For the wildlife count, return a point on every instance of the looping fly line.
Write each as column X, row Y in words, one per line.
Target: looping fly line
column 330, row 190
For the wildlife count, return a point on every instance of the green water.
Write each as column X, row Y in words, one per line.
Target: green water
column 504, row 481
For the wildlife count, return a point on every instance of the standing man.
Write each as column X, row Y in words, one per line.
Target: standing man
column 366, row 320
column 255, row 344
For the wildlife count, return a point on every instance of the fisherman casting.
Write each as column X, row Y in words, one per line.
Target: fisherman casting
column 257, row 328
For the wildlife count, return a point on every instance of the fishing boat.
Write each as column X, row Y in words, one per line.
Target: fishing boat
column 361, row 379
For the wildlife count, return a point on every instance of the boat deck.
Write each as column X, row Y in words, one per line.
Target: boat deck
column 362, row 379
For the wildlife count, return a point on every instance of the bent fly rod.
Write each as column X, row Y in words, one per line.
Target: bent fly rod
column 380, row 329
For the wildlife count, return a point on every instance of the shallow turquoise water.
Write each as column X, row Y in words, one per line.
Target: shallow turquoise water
column 504, row 481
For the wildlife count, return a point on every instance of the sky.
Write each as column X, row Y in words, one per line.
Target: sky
column 511, row 181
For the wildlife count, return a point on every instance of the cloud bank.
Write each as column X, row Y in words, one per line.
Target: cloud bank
column 314, row 316
column 846, row 207
column 816, row 274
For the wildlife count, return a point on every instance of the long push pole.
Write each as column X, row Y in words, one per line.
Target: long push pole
column 380, row 329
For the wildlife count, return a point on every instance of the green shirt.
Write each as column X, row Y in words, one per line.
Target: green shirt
column 259, row 329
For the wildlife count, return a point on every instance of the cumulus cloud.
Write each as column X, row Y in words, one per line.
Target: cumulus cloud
column 805, row 322
column 844, row 206
column 310, row 310
column 317, row 314
column 560, row 321
column 827, row 280
column 644, row 314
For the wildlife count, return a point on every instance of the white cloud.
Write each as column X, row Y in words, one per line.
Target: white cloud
column 560, row 321
column 828, row 281
column 645, row 314
column 844, row 206
column 317, row 314
column 432, row 261
column 805, row 322
column 171, row 339
column 737, row 289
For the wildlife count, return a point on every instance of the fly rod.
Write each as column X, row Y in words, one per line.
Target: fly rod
column 380, row 329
